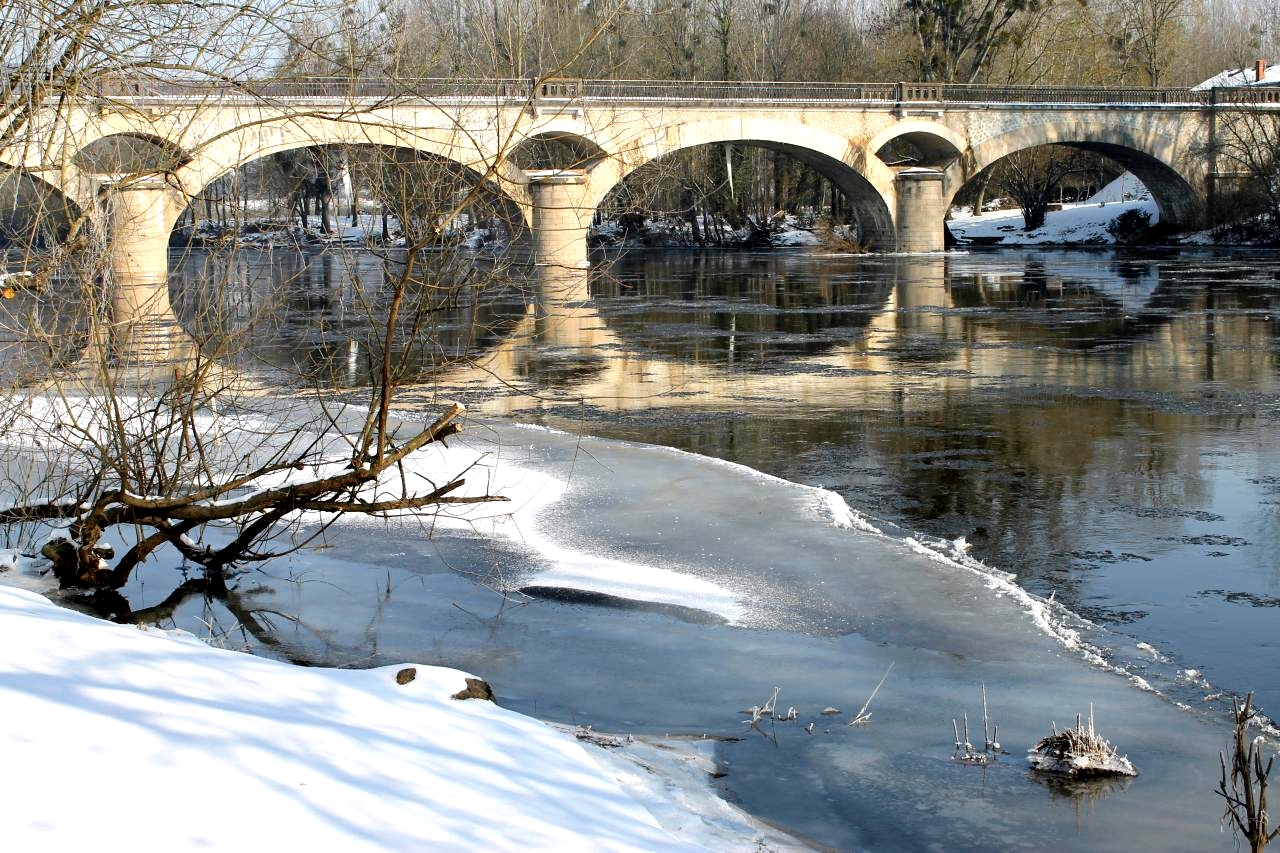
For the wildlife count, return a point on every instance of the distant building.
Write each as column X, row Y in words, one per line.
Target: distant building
column 1262, row 74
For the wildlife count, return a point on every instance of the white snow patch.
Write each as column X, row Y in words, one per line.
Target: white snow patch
column 1084, row 223
column 797, row 237
column 634, row 581
column 530, row 493
column 227, row 751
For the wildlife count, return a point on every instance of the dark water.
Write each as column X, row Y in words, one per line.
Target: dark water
column 1100, row 425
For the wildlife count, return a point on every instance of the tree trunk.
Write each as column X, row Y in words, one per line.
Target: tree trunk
column 984, row 181
column 1033, row 214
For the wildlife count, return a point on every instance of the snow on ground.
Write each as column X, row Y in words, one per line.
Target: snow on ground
column 1084, row 224
column 1079, row 224
column 791, row 237
column 161, row 742
column 183, row 746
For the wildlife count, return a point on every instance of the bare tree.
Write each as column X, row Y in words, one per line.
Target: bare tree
column 957, row 40
column 186, row 455
column 1148, row 31
column 1247, row 146
column 1245, row 779
column 1032, row 178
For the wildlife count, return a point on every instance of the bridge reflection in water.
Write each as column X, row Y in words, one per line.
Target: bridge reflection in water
column 717, row 330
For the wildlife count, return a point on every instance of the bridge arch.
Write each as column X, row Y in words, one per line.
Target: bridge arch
column 865, row 181
column 938, row 145
column 129, row 153
column 1152, row 156
column 46, row 318
column 245, row 145
column 555, row 149
column 44, row 203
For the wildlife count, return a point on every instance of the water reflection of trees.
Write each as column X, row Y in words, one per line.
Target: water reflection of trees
column 316, row 313
column 1111, row 365
column 738, row 309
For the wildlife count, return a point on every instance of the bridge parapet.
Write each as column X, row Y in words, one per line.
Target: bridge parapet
column 308, row 88
column 736, row 91
column 978, row 93
column 517, row 91
column 1252, row 95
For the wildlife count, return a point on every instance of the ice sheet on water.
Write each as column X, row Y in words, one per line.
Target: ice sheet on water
column 654, row 524
column 651, row 524
column 838, row 598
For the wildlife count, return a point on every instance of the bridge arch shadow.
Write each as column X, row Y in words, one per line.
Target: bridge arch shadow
column 130, row 154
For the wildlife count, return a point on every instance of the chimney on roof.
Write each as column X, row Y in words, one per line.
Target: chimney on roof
column 1260, row 71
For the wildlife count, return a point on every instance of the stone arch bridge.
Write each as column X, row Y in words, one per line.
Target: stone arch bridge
column 1167, row 137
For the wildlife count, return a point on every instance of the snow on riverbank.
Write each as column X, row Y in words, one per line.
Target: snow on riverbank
column 117, row 732
column 162, row 742
column 1076, row 224
column 1073, row 224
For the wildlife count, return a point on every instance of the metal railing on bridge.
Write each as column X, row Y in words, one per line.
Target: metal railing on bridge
column 745, row 91
column 310, row 88
column 561, row 89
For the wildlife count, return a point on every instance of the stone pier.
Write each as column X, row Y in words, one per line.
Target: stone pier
column 561, row 217
column 921, row 210
column 142, row 328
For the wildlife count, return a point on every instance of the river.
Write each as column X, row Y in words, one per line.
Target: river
column 1059, row 475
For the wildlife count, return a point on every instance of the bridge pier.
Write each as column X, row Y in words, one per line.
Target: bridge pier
column 560, row 217
column 921, row 211
column 141, row 326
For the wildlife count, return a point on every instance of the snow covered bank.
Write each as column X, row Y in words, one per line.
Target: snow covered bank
column 161, row 742
column 1083, row 224
column 1074, row 224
